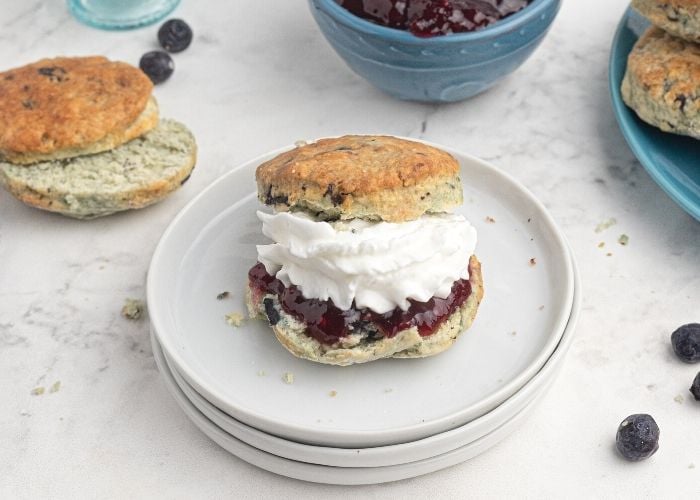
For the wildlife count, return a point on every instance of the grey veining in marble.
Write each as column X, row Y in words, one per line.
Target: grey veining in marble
column 252, row 83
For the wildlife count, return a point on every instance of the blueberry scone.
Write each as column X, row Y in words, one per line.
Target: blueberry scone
column 70, row 106
column 679, row 17
column 662, row 82
column 367, row 260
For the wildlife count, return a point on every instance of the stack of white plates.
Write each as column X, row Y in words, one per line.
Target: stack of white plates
column 383, row 421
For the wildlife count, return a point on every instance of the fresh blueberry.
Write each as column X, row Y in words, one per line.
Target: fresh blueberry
column 686, row 342
column 637, row 437
column 175, row 35
column 695, row 388
column 158, row 65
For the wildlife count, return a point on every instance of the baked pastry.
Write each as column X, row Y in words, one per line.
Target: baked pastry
column 69, row 106
column 662, row 82
column 367, row 177
column 369, row 276
column 133, row 175
column 679, row 17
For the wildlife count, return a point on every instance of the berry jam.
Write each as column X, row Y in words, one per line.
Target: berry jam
column 426, row 18
column 326, row 323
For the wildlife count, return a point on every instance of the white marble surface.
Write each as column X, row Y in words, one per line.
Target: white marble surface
column 254, row 82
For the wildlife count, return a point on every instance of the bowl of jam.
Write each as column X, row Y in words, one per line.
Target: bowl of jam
column 434, row 50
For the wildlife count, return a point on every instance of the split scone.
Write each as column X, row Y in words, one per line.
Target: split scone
column 367, row 261
column 662, row 82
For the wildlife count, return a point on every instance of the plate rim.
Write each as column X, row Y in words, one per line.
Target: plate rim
column 656, row 172
column 382, row 437
column 375, row 456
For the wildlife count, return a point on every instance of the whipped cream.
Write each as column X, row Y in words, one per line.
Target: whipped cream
column 379, row 265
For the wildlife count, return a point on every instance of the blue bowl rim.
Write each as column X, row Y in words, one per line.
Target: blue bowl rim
column 503, row 26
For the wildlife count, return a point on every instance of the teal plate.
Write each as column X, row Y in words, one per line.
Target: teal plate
column 673, row 161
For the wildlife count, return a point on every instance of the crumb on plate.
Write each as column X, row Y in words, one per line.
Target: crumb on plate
column 288, row 378
column 623, row 240
column 261, row 373
column 37, row 391
column 133, row 309
column 222, row 295
column 605, row 225
column 490, row 219
column 55, row 387
column 533, row 261
column 234, row 319
column 333, row 394
column 601, row 244
column 679, row 399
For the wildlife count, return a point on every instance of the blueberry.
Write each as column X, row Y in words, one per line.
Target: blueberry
column 686, row 342
column 637, row 437
column 695, row 388
column 158, row 65
column 175, row 35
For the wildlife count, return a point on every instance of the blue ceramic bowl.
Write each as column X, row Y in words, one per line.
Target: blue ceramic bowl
column 438, row 69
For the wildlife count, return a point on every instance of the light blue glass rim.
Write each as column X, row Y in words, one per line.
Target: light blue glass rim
column 507, row 25
column 86, row 17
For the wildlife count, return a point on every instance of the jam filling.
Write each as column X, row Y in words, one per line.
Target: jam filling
column 427, row 18
column 327, row 323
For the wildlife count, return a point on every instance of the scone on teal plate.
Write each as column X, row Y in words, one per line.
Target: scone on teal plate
column 662, row 82
column 366, row 261
column 679, row 17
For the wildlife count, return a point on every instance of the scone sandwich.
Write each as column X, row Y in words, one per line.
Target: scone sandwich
column 81, row 136
column 367, row 260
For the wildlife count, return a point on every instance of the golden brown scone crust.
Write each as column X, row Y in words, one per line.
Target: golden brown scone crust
column 662, row 82
column 356, row 176
column 406, row 344
column 678, row 17
column 68, row 103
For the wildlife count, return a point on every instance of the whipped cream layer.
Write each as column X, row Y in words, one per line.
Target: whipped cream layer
column 379, row 265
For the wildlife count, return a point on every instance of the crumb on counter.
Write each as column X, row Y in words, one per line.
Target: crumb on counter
column 679, row 399
column 222, row 295
column 605, row 225
column 533, row 261
column 388, row 389
column 133, row 309
column 490, row 219
column 601, row 244
column 288, row 378
column 261, row 373
column 37, row 391
column 691, row 466
column 55, row 387
column 609, row 254
column 333, row 394
column 541, row 308
column 235, row 319
column 623, row 240
column 513, row 333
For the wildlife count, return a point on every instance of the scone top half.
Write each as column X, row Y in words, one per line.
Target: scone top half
column 362, row 177
column 68, row 106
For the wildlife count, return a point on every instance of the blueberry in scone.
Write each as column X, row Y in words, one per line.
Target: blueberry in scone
column 662, row 82
column 679, row 17
column 367, row 260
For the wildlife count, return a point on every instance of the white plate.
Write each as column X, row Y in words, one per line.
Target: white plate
column 209, row 247
column 400, row 453
column 332, row 475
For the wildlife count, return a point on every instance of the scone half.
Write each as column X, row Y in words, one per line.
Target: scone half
column 362, row 177
column 66, row 106
column 366, row 345
column 133, row 175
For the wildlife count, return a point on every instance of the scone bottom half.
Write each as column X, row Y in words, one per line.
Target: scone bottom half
column 318, row 331
column 367, row 177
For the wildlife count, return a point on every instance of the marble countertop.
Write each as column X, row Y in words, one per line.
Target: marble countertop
column 105, row 425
